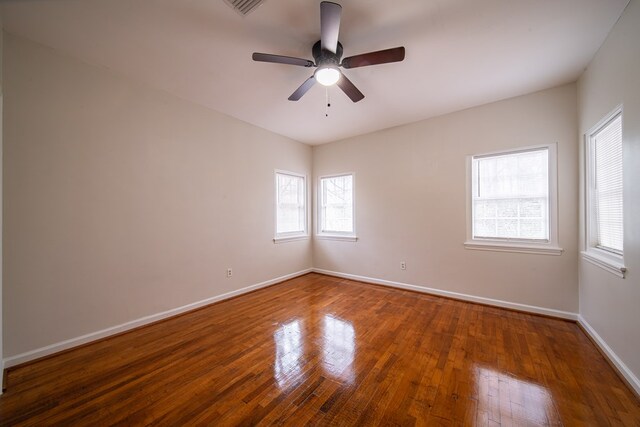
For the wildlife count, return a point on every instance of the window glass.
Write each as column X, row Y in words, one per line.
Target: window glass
column 336, row 209
column 606, row 192
column 511, row 195
column 290, row 204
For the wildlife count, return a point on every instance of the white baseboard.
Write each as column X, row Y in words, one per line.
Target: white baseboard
column 632, row 380
column 93, row 336
column 74, row 342
column 464, row 297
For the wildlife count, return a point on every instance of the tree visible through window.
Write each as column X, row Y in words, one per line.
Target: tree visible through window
column 510, row 195
column 336, row 204
column 290, row 204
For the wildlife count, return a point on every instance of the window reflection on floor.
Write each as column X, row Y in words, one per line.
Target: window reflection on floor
column 289, row 353
column 338, row 348
column 505, row 396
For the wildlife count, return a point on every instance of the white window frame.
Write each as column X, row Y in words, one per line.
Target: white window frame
column 605, row 259
column 336, row 235
column 294, row 235
column 547, row 247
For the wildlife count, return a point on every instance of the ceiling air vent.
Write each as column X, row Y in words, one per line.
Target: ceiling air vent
column 243, row 7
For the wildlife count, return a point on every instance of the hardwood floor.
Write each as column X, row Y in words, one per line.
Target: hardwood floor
column 325, row 351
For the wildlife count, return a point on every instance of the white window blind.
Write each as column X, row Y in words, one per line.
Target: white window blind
column 290, row 204
column 511, row 196
column 336, row 210
column 607, row 195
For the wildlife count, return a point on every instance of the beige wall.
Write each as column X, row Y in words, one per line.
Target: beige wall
column 610, row 304
column 122, row 201
column 410, row 186
column 1, row 200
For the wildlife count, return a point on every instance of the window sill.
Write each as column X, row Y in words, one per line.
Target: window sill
column 604, row 261
column 285, row 239
column 338, row 237
column 525, row 248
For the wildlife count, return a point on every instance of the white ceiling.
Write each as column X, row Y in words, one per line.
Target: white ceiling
column 459, row 53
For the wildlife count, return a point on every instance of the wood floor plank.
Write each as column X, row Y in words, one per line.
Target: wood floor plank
column 320, row 350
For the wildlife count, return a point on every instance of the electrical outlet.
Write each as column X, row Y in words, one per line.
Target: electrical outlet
column 229, row 272
column 403, row 265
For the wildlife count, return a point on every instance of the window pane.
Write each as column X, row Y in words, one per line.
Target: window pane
column 511, row 196
column 608, row 185
column 337, row 204
column 290, row 210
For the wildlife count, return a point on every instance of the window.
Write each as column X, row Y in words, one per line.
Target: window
column 336, row 207
column 512, row 201
column 604, row 196
column 291, row 211
column 511, row 196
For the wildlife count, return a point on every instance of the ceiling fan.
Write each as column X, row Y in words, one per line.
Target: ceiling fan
column 327, row 53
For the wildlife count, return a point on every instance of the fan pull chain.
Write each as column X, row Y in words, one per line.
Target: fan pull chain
column 326, row 112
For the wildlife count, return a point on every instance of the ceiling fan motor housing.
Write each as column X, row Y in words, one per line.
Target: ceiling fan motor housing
column 326, row 57
column 327, row 53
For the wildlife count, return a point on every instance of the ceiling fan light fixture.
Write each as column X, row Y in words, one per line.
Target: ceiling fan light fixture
column 327, row 53
column 327, row 75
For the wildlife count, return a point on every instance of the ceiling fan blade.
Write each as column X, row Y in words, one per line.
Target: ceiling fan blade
column 372, row 58
column 329, row 25
column 279, row 59
column 304, row 87
column 350, row 89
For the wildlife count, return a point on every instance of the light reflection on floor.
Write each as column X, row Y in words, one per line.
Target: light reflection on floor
column 502, row 395
column 289, row 352
column 338, row 348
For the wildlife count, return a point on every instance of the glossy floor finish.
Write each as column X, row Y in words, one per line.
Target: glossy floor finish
column 325, row 351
